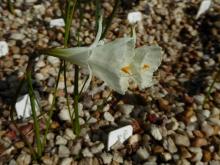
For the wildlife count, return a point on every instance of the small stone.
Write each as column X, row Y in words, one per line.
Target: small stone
column 182, row 140
column 64, row 115
column 86, row 161
column 206, row 113
column 207, row 129
column 214, row 162
column 30, row 1
column 183, row 162
column 207, row 156
column 215, row 121
column 164, row 105
column 97, row 148
column 54, row 61
column 106, row 157
column 76, row 148
column 57, row 22
column 50, row 136
column 40, row 64
column 60, row 140
column 92, row 120
column 17, row 36
column 47, row 160
column 172, row 125
column 61, row 85
column 66, row 161
column 134, row 139
column 40, row 77
column 108, row 116
column 63, row 151
column 117, row 146
column 117, row 157
column 169, row 145
column 3, row 48
column 12, row 162
column 19, row 144
column 199, row 142
column 185, row 153
column 23, row 159
column 199, row 99
column 158, row 149
column 143, row 153
column 155, row 132
column 86, row 152
column 166, row 156
column 197, row 154
column 69, row 135
column 126, row 109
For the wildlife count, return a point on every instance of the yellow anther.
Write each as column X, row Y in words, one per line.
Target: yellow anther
column 126, row 69
column 146, row 66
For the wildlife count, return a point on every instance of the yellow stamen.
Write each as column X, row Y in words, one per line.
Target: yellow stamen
column 146, row 66
column 126, row 69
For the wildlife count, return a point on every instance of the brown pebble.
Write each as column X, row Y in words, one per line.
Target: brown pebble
column 136, row 126
column 198, row 133
column 207, row 156
column 164, row 105
column 199, row 142
column 55, row 125
column 158, row 149
column 188, row 99
column 185, row 153
column 216, row 129
column 19, row 144
column 189, row 113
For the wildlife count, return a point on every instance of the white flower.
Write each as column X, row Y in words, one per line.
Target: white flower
column 115, row 62
column 134, row 17
column 204, row 6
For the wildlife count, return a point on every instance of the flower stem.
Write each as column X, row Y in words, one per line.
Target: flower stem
column 11, row 7
column 207, row 96
column 48, row 121
column 68, row 20
column 76, row 99
column 34, row 114
column 12, row 109
column 110, row 18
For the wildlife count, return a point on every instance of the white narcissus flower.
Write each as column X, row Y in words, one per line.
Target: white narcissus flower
column 115, row 62
column 108, row 61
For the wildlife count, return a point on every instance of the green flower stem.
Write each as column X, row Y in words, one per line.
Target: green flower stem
column 12, row 109
column 207, row 96
column 11, row 7
column 109, row 20
column 34, row 114
column 68, row 20
column 67, row 97
column 76, row 99
column 97, row 13
column 48, row 121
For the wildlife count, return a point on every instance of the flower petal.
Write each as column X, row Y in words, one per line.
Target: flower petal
column 147, row 59
column 108, row 60
column 78, row 55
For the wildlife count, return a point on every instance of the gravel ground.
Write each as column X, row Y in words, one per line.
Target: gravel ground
column 171, row 125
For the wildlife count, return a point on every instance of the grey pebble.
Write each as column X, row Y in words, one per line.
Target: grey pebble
column 63, row 151
column 106, row 157
column 182, row 140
